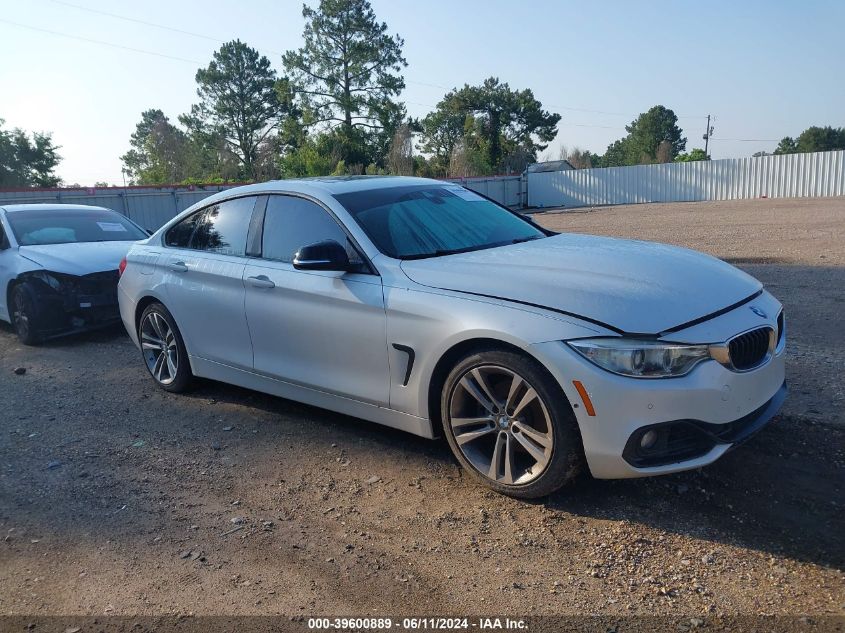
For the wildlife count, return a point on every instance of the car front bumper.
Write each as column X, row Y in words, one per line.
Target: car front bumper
column 704, row 413
column 78, row 304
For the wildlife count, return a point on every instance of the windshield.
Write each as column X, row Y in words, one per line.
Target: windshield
column 419, row 221
column 60, row 226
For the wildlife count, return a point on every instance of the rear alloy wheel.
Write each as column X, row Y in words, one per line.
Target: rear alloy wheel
column 163, row 349
column 509, row 423
column 24, row 315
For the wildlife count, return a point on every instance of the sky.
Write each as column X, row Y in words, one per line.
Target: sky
column 764, row 70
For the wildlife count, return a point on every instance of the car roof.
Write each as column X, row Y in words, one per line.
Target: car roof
column 18, row 208
column 331, row 185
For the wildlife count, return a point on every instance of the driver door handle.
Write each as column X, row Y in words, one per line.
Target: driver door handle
column 261, row 281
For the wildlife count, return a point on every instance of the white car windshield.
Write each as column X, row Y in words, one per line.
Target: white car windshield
column 59, row 226
column 419, row 221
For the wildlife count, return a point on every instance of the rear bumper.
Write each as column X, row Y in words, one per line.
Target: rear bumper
column 127, row 313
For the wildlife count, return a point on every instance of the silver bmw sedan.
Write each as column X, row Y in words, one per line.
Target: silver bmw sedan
column 426, row 307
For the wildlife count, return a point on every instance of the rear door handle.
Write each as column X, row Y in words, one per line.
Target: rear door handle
column 261, row 281
column 179, row 267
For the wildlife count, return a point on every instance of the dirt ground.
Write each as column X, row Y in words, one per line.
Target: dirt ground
column 118, row 498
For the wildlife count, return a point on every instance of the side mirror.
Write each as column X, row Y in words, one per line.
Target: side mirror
column 326, row 255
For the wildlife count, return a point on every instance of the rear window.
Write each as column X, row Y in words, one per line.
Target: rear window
column 59, row 226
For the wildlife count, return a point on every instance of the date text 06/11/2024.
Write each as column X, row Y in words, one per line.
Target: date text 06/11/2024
column 417, row 623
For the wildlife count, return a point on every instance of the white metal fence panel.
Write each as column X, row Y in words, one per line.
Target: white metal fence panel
column 506, row 190
column 784, row 176
column 151, row 207
column 148, row 206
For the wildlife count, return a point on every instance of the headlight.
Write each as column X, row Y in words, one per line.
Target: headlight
column 641, row 359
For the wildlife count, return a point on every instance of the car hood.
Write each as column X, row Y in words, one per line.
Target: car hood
column 77, row 259
column 632, row 286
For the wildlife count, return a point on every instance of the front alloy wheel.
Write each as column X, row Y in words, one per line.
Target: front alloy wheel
column 509, row 422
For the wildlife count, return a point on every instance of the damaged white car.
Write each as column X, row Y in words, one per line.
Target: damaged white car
column 58, row 267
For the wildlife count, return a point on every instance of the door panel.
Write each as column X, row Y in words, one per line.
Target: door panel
column 203, row 276
column 324, row 330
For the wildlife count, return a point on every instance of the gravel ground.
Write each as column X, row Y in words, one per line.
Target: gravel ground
column 118, row 498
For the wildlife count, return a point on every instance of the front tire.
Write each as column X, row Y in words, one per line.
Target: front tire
column 163, row 349
column 25, row 316
column 510, row 425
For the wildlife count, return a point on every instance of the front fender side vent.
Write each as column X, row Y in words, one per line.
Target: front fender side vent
column 410, row 366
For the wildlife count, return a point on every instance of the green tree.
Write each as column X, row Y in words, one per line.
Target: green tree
column 442, row 130
column 159, row 151
column 316, row 154
column 508, row 117
column 821, row 139
column 509, row 125
column 654, row 136
column 694, row 155
column 347, row 76
column 25, row 161
column 648, row 131
column 616, row 154
column 786, row 146
column 239, row 102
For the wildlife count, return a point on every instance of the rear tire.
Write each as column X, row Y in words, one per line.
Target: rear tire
column 163, row 349
column 510, row 425
column 24, row 313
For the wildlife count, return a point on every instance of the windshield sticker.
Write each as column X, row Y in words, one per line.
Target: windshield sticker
column 112, row 227
column 465, row 194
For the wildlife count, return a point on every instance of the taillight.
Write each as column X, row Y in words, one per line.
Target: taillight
column 121, row 267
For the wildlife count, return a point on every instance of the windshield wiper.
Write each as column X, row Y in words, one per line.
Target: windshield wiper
column 529, row 238
column 451, row 251
column 466, row 249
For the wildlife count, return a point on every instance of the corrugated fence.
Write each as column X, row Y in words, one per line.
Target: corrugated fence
column 153, row 206
column 148, row 206
column 506, row 190
column 785, row 176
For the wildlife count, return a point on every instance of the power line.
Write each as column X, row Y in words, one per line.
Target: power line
column 207, row 37
column 749, row 140
column 274, row 52
column 194, row 34
column 100, row 42
column 152, row 24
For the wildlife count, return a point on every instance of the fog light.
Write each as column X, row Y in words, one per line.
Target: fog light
column 648, row 440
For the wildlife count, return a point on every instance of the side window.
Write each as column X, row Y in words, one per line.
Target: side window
column 180, row 234
column 221, row 228
column 4, row 244
column 291, row 223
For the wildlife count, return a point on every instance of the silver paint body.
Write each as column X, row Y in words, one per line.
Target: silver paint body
column 327, row 339
column 72, row 259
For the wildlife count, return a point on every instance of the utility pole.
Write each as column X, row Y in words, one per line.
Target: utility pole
column 707, row 134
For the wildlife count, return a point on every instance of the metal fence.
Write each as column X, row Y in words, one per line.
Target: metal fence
column 506, row 190
column 785, row 176
column 153, row 206
column 148, row 206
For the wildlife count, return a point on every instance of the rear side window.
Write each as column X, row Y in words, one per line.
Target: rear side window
column 180, row 234
column 221, row 228
column 291, row 223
